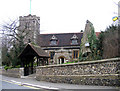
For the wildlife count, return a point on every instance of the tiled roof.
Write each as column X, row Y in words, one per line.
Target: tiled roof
column 39, row 51
column 97, row 34
column 64, row 39
column 33, row 50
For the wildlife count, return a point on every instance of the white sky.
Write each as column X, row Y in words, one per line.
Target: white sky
column 62, row 16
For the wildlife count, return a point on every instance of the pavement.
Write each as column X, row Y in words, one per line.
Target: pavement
column 31, row 81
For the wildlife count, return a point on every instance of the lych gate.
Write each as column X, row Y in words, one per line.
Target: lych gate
column 33, row 55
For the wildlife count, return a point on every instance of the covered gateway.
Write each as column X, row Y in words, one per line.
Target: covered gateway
column 33, row 54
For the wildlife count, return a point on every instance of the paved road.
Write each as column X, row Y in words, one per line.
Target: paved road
column 9, row 85
column 58, row 86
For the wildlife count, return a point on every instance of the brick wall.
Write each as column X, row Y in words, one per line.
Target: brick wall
column 100, row 72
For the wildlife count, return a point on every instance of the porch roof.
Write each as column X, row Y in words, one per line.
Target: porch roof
column 33, row 50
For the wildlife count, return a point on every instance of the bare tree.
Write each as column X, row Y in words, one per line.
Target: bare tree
column 12, row 42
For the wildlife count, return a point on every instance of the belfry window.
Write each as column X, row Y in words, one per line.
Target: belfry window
column 27, row 24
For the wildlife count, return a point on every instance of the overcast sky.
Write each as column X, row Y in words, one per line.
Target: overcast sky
column 62, row 16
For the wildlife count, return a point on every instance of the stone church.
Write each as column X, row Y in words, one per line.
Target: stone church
column 62, row 47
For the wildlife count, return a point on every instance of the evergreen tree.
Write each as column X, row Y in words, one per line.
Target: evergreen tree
column 92, row 42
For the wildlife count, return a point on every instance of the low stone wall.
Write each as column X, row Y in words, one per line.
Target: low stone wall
column 100, row 72
column 0, row 71
column 14, row 72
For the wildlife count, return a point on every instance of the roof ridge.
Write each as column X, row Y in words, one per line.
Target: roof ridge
column 35, row 45
column 62, row 33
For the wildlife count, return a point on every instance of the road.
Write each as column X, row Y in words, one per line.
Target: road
column 29, row 84
column 11, row 86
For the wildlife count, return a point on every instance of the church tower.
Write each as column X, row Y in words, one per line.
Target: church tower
column 30, row 26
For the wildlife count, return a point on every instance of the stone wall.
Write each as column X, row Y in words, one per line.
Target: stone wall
column 0, row 71
column 100, row 72
column 15, row 72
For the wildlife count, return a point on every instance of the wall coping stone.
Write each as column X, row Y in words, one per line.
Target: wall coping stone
column 81, row 63
column 92, row 75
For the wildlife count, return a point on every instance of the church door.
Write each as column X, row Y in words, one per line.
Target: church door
column 61, row 60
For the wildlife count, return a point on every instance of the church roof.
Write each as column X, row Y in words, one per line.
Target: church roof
column 97, row 34
column 63, row 39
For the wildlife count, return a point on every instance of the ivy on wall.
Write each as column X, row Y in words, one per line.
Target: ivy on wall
column 92, row 40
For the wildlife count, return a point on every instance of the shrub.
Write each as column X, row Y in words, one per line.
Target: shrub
column 35, row 64
column 7, row 67
column 18, row 66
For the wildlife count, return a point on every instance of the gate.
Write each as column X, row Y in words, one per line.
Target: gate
column 27, row 58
